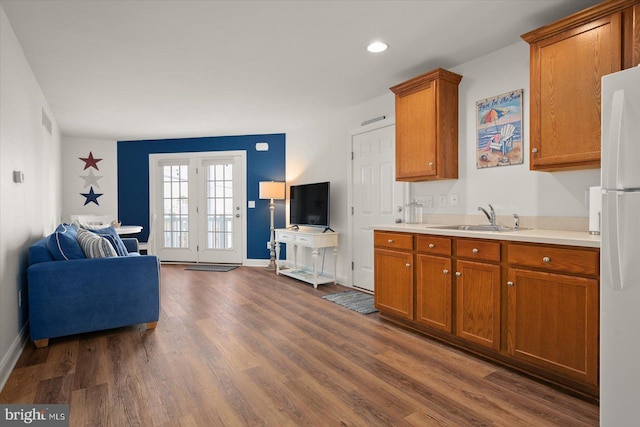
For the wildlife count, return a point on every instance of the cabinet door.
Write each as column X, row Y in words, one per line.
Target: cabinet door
column 416, row 133
column 566, row 70
column 393, row 277
column 433, row 292
column 478, row 303
column 553, row 322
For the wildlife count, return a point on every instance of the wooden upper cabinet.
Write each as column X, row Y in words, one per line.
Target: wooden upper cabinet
column 568, row 60
column 427, row 127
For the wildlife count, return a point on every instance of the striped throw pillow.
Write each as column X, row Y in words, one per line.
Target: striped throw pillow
column 95, row 246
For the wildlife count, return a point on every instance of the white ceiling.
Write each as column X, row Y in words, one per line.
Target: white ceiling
column 120, row 69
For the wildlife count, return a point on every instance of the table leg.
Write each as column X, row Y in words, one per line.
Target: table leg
column 335, row 265
column 315, row 254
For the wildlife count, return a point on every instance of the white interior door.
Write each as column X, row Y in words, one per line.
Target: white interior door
column 198, row 201
column 377, row 198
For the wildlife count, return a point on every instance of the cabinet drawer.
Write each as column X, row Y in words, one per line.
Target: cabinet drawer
column 433, row 245
column 565, row 260
column 478, row 249
column 393, row 240
column 286, row 237
column 304, row 240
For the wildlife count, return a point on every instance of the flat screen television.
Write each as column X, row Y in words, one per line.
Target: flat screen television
column 309, row 205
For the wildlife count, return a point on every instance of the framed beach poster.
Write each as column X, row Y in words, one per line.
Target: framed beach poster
column 499, row 130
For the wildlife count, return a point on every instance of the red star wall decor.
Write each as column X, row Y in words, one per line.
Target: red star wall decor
column 90, row 162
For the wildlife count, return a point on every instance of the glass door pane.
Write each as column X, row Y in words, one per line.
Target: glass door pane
column 175, row 203
column 219, row 203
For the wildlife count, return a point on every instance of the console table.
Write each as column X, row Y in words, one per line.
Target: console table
column 315, row 240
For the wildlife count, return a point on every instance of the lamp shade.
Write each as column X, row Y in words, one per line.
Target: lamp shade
column 271, row 190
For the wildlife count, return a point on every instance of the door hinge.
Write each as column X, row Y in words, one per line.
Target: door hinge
column 352, row 210
column 353, row 265
column 197, row 248
column 352, row 155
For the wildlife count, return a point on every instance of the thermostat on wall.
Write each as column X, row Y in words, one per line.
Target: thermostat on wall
column 18, row 176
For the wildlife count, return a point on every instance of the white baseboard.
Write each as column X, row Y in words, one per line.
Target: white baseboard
column 256, row 262
column 11, row 357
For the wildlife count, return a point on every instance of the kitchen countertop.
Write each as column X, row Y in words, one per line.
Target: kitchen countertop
column 553, row 237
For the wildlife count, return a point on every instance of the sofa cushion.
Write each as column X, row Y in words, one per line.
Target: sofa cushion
column 95, row 246
column 38, row 252
column 111, row 234
column 63, row 243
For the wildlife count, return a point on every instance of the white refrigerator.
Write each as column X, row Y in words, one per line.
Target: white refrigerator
column 620, row 251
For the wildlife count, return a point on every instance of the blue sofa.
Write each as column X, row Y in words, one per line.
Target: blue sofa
column 74, row 295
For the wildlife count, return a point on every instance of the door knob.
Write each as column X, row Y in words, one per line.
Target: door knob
column 458, row 274
column 475, row 250
column 237, row 215
column 431, row 246
column 509, row 283
column 445, row 271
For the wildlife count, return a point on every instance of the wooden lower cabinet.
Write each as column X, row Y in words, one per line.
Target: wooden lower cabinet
column 433, row 292
column 478, row 303
column 393, row 282
column 553, row 322
column 534, row 307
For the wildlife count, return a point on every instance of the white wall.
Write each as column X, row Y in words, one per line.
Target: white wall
column 30, row 210
column 73, row 168
column 510, row 189
column 320, row 152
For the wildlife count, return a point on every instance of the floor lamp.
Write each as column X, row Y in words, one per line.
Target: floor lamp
column 272, row 191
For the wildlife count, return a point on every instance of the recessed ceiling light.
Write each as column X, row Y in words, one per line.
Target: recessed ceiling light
column 377, row 47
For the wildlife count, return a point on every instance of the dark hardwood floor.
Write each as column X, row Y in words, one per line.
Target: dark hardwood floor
column 250, row 348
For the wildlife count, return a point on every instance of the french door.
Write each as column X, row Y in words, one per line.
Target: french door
column 198, row 200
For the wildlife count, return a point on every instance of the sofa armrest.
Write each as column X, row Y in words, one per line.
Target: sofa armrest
column 131, row 243
column 84, row 295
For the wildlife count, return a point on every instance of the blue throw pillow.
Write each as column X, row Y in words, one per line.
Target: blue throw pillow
column 112, row 236
column 63, row 243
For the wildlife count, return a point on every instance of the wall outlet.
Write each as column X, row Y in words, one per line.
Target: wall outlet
column 442, row 200
column 428, row 201
column 453, row 199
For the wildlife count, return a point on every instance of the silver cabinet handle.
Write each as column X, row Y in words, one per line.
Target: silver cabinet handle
column 546, row 259
column 509, row 283
column 475, row 250
column 431, row 246
column 430, row 164
column 458, row 274
column 534, row 150
column 407, row 265
column 390, row 241
column 445, row 271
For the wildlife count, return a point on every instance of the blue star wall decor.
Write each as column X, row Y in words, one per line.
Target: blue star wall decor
column 91, row 197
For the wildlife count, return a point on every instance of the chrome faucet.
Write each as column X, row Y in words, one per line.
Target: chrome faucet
column 490, row 216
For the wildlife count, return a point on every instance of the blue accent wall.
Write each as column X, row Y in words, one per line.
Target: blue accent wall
column 133, row 180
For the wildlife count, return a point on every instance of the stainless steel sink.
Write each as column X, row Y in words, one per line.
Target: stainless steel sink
column 480, row 227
